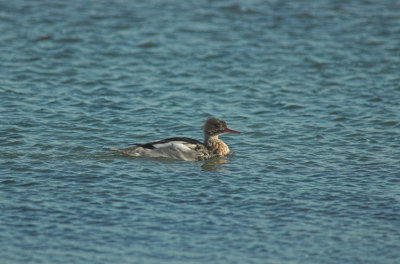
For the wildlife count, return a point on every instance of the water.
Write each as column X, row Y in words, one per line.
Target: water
column 313, row 85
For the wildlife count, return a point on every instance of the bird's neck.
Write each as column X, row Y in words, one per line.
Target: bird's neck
column 215, row 145
column 210, row 140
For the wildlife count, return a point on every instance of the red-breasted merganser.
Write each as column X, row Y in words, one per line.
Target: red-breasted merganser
column 182, row 148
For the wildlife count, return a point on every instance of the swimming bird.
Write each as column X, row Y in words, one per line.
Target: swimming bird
column 183, row 148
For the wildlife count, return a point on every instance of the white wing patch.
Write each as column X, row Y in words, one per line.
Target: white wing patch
column 174, row 149
column 178, row 145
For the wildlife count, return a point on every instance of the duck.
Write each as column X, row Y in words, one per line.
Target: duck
column 183, row 148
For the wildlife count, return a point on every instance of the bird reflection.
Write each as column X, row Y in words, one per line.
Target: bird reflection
column 213, row 164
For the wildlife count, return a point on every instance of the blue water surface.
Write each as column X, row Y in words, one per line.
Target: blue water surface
column 314, row 87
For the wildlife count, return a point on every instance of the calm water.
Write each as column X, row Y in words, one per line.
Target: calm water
column 313, row 85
